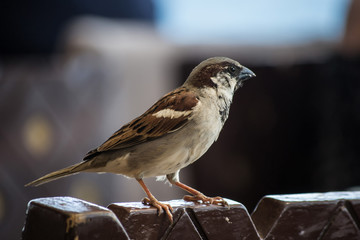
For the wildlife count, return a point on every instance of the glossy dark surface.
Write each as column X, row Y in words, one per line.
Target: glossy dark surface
column 323, row 216
column 70, row 218
column 333, row 215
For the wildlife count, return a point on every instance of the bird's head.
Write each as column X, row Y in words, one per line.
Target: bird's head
column 219, row 73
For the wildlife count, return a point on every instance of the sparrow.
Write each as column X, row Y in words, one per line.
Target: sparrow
column 175, row 132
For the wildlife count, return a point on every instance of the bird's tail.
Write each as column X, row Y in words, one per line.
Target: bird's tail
column 71, row 170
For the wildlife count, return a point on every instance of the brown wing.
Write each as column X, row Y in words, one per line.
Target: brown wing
column 150, row 126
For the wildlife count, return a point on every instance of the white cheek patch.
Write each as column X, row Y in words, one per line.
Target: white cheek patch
column 170, row 113
column 216, row 80
column 224, row 80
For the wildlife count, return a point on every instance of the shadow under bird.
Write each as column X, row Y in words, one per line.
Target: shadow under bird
column 176, row 131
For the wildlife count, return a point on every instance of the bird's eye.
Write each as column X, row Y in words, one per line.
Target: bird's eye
column 232, row 69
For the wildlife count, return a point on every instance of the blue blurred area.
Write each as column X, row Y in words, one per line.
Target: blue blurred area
column 260, row 22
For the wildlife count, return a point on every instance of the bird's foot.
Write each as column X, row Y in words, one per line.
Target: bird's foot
column 206, row 200
column 160, row 206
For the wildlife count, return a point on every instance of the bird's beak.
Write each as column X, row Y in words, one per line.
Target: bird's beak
column 245, row 74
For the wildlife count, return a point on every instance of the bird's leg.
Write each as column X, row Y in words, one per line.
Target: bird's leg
column 198, row 196
column 151, row 200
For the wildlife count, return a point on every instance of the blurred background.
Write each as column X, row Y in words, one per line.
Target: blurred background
column 73, row 72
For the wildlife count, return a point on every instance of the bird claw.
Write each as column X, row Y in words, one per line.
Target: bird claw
column 160, row 206
column 206, row 200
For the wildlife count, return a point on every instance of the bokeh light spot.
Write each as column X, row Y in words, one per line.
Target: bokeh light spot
column 86, row 190
column 38, row 135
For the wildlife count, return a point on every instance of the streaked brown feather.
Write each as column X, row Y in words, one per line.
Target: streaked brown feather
column 148, row 127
